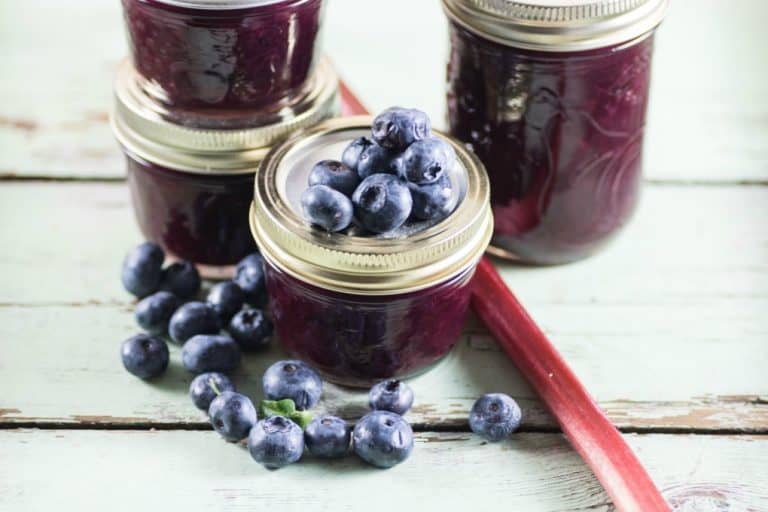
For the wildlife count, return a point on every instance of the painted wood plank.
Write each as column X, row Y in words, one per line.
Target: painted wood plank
column 706, row 121
column 197, row 471
column 667, row 327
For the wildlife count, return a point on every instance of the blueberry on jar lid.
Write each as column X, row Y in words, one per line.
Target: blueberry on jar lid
column 382, row 203
column 326, row 208
column 378, row 160
column 352, row 153
column 427, row 160
column 397, row 128
column 432, row 201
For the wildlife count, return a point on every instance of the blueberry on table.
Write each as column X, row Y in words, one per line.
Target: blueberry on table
column 295, row 380
column 153, row 313
column 391, row 395
column 382, row 203
column 181, row 279
column 276, row 442
column 191, row 319
column 334, row 174
column 207, row 386
column 142, row 269
column 251, row 329
column 427, row 160
column 232, row 415
column 433, row 200
column 378, row 160
column 145, row 356
column 249, row 276
column 227, row 299
column 495, row 416
column 210, row 353
column 327, row 437
column 383, row 439
column 352, row 153
column 326, row 208
column 397, row 128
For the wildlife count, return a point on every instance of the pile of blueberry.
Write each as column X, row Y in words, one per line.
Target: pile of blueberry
column 168, row 308
column 400, row 173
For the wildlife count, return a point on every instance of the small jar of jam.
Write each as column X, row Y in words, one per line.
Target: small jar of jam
column 192, row 188
column 364, row 308
column 552, row 96
column 224, row 61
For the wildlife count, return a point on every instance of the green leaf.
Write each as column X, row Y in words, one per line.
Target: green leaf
column 285, row 408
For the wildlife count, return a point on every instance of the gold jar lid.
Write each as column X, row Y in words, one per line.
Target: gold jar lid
column 376, row 265
column 142, row 126
column 558, row 25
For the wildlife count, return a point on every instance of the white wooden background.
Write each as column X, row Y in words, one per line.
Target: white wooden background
column 668, row 327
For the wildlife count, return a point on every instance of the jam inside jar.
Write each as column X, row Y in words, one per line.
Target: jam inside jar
column 217, row 57
column 365, row 308
column 560, row 131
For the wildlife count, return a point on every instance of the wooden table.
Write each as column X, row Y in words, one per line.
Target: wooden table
column 668, row 327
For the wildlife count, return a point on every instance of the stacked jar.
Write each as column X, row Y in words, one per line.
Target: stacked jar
column 210, row 86
column 552, row 96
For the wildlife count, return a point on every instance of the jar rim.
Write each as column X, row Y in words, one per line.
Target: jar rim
column 367, row 265
column 558, row 25
column 139, row 124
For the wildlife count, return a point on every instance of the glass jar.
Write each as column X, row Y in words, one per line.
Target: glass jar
column 358, row 308
column 191, row 189
column 552, row 96
column 231, row 60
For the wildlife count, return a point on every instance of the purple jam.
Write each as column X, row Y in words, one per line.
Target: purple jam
column 357, row 340
column 213, row 60
column 561, row 136
column 202, row 218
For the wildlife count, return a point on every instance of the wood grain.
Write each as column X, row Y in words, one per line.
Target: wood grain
column 46, row 470
column 707, row 121
column 667, row 328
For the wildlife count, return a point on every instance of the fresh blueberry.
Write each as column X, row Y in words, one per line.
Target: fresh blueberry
column 378, row 160
column 210, row 353
column 249, row 276
column 494, row 416
column 427, row 160
column 295, row 380
column 382, row 203
column 142, row 269
column 181, row 279
column 154, row 312
column 191, row 319
column 397, row 128
column 227, row 298
column 383, row 439
column 433, row 200
column 327, row 208
column 145, row 356
column 276, row 442
column 232, row 415
column 251, row 329
column 207, row 386
column 391, row 395
column 327, row 437
column 334, row 174
column 352, row 153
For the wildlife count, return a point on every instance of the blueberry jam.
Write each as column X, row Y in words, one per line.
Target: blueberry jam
column 357, row 340
column 204, row 59
column 561, row 137
column 202, row 218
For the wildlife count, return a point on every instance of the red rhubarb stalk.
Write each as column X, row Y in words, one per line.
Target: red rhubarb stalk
column 587, row 428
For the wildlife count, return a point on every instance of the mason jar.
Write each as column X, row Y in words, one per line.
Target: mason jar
column 192, row 188
column 364, row 308
column 552, row 96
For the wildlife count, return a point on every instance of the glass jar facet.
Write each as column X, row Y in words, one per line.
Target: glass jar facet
column 207, row 60
column 560, row 134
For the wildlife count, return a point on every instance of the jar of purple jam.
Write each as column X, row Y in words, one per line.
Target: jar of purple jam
column 364, row 308
column 552, row 96
column 225, row 60
column 192, row 188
